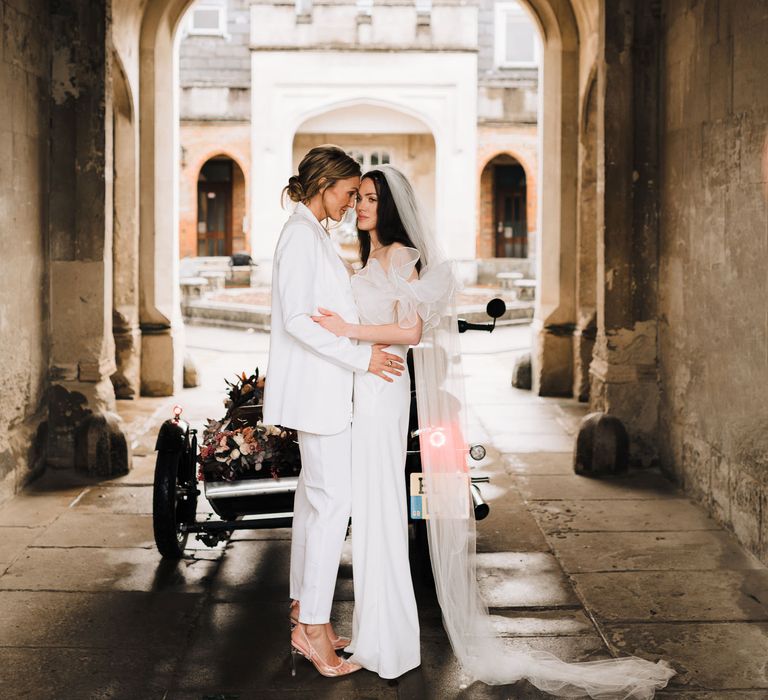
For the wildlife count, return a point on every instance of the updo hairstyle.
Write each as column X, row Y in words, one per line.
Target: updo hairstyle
column 322, row 167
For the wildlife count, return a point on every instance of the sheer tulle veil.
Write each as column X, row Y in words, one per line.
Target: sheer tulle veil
column 451, row 527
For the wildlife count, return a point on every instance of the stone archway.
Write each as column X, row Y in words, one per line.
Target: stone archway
column 375, row 134
column 555, row 316
column 414, row 94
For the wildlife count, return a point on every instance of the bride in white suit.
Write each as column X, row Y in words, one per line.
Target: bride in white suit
column 309, row 388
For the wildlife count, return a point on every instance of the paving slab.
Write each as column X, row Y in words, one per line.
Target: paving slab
column 244, row 647
column 14, row 540
column 253, row 568
column 542, row 623
column 46, row 673
column 533, row 424
column 523, row 580
column 531, row 463
column 522, row 442
column 482, row 391
column 634, row 486
column 124, row 499
column 707, row 656
column 106, row 569
column 621, row 515
column 508, row 413
column 712, row 695
column 36, row 510
column 116, row 499
column 570, row 415
column 117, row 620
column 509, row 525
column 329, row 691
column 142, row 473
column 76, row 528
column 446, row 679
column 675, row 595
column 636, row 551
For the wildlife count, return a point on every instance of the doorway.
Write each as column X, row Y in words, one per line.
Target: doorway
column 509, row 207
column 214, row 208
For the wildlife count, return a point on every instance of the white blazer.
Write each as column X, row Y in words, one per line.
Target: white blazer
column 309, row 377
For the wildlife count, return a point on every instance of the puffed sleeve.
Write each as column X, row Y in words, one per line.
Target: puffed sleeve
column 427, row 296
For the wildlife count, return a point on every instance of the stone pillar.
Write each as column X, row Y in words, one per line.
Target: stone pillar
column 83, row 430
column 624, row 368
column 125, row 315
column 586, row 300
column 162, row 328
column 555, row 313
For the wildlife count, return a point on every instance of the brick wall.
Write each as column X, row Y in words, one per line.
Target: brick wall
column 199, row 142
column 521, row 143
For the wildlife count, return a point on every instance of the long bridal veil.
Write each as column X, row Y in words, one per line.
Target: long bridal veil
column 451, row 527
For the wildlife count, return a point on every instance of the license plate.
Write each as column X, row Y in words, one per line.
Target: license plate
column 418, row 497
column 454, row 496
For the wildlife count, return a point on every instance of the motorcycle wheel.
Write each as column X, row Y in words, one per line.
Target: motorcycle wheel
column 174, row 501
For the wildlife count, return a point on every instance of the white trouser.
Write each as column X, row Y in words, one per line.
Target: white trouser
column 320, row 516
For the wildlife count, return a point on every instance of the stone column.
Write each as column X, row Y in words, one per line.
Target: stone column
column 624, row 367
column 83, row 429
column 162, row 327
column 555, row 313
column 586, row 299
column 125, row 316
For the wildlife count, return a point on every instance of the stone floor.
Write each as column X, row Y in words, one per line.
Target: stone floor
column 587, row 569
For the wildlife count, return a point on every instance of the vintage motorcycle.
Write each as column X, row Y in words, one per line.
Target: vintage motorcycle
column 266, row 502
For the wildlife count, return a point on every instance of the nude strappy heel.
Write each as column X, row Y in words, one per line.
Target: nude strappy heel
column 338, row 643
column 305, row 649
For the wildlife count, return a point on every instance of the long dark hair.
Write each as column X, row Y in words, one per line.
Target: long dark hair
column 389, row 226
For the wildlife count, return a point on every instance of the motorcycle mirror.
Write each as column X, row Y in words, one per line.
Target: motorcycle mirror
column 496, row 308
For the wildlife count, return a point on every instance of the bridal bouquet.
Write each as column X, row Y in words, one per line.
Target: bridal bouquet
column 240, row 446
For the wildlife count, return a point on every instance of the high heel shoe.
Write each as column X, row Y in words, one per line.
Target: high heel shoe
column 343, row 668
column 338, row 643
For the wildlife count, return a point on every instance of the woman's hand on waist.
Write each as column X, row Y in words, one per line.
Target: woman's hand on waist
column 334, row 323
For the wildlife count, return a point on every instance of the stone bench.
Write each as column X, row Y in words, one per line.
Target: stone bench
column 526, row 289
column 193, row 287
column 216, row 278
column 507, row 279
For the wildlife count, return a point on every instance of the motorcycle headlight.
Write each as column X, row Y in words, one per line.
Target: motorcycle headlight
column 477, row 452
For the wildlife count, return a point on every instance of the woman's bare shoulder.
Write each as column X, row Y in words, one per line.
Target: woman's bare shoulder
column 388, row 250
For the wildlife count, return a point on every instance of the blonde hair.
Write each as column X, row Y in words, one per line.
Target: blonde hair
column 322, row 167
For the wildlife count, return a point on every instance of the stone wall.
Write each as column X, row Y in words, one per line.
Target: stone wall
column 25, row 56
column 217, row 60
column 713, row 317
column 504, row 94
